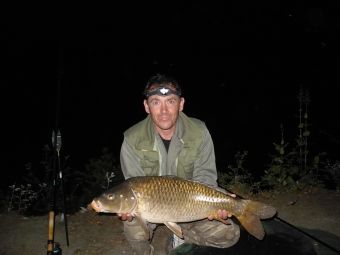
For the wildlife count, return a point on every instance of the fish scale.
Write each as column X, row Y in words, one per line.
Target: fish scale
column 159, row 196
column 171, row 200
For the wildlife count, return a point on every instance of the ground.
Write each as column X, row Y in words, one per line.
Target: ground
column 90, row 233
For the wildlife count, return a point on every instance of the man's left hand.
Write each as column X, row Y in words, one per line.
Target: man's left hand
column 222, row 214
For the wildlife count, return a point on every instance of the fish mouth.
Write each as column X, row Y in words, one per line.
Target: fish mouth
column 97, row 206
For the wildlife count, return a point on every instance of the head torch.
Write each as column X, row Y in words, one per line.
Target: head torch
column 162, row 91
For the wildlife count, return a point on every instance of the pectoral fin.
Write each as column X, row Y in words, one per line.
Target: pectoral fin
column 174, row 228
column 144, row 226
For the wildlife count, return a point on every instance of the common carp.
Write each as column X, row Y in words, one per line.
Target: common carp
column 170, row 200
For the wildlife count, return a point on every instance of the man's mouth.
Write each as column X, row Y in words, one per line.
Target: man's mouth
column 164, row 118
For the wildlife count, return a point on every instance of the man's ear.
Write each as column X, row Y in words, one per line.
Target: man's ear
column 181, row 104
column 146, row 107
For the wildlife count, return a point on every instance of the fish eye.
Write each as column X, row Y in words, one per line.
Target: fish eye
column 110, row 196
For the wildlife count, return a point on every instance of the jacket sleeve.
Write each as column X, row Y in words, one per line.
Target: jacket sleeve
column 129, row 161
column 205, row 166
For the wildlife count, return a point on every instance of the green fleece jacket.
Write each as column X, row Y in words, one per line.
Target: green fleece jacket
column 191, row 152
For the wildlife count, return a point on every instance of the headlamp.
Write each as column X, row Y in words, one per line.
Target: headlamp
column 162, row 91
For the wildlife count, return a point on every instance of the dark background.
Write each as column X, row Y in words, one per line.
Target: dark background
column 240, row 65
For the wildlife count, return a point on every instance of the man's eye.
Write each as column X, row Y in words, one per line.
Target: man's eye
column 154, row 102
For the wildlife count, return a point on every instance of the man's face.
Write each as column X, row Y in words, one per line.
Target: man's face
column 164, row 110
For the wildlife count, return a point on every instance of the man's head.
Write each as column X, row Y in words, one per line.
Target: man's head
column 163, row 101
column 162, row 85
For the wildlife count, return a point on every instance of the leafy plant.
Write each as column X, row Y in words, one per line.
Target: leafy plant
column 331, row 169
column 323, row 172
column 295, row 167
column 99, row 174
column 303, row 134
column 23, row 196
column 283, row 170
column 29, row 193
column 102, row 170
column 236, row 177
column 35, row 193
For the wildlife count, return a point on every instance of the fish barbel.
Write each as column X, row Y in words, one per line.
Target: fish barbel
column 170, row 200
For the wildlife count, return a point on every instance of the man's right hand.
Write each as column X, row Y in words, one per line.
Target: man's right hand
column 125, row 216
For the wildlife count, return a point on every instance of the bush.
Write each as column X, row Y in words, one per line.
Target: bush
column 34, row 194
column 236, row 178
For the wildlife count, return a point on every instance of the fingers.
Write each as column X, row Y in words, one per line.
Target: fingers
column 221, row 214
column 125, row 216
column 224, row 214
column 210, row 217
column 122, row 217
column 129, row 217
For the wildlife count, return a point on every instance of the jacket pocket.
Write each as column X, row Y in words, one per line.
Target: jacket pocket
column 186, row 163
column 150, row 163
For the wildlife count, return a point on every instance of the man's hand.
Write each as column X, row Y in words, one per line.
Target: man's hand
column 221, row 214
column 125, row 216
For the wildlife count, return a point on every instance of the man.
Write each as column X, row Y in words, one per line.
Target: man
column 167, row 142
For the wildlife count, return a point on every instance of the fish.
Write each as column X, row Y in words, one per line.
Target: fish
column 171, row 200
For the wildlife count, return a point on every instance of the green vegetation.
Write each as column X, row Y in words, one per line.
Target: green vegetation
column 237, row 178
column 34, row 195
column 291, row 167
column 100, row 173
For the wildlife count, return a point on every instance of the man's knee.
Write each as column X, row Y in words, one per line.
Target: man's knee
column 211, row 233
column 134, row 231
column 137, row 238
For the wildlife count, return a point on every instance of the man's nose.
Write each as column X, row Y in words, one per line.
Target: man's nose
column 164, row 107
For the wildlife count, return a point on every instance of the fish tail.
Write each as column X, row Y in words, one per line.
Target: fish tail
column 251, row 215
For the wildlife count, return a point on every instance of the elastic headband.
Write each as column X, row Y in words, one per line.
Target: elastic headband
column 162, row 91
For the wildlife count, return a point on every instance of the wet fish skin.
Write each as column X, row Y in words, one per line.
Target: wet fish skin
column 171, row 200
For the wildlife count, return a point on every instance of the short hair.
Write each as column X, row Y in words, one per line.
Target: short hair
column 162, row 80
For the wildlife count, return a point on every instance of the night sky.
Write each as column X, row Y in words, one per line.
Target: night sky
column 240, row 65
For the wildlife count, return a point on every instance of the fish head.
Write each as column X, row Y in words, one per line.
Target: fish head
column 119, row 199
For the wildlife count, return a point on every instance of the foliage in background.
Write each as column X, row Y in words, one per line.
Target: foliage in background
column 287, row 167
column 33, row 193
column 237, row 178
column 30, row 192
column 295, row 167
column 100, row 174
column 291, row 166
column 283, row 170
column 303, row 128
column 21, row 197
column 331, row 168
column 324, row 172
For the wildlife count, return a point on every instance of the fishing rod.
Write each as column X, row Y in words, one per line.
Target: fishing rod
column 56, row 143
column 53, row 247
column 57, row 178
column 60, row 175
